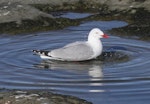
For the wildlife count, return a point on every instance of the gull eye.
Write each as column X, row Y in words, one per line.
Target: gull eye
column 96, row 32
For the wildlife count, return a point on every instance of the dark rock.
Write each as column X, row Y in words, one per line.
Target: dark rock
column 17, row 12
column 139, row 26
column 38, row 97
column 38, row 24
column 20, row 16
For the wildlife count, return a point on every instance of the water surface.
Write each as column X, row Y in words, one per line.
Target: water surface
column 112, row 81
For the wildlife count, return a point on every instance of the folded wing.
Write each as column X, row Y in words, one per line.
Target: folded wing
column 73, row 52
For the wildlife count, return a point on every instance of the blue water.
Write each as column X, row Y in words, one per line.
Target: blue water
column 116, row 81
column 71, row 15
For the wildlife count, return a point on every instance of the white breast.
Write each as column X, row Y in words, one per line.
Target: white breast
column 96, row 45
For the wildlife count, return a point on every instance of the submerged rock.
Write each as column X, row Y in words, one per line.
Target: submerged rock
column 38, row 97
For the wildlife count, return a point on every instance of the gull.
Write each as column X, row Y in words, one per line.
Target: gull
column 77, row 51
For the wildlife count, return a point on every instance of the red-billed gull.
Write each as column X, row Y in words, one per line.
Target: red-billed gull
column 77, row 51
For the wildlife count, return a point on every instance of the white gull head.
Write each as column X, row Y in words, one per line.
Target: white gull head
column 95, row 42
column 96, row 33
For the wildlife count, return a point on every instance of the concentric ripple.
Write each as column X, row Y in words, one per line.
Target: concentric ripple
column 119, row 76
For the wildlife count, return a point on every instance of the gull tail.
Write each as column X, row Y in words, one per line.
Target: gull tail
column 45, row 55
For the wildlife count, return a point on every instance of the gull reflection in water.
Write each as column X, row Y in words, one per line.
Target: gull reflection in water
column 91, row 68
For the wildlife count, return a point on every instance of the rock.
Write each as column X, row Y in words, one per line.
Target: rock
column 121, row 5
column 38, row 97
column 24, row 16
column 139, row 26
column 17, row 12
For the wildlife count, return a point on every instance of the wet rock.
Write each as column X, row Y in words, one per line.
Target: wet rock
column 135, row 30
column 38, row 24
column 94, row 5
column 18, row 18
column 17, row 12
column 125, row 5
column 139, row 26
column 38, row 97
column 24, row 16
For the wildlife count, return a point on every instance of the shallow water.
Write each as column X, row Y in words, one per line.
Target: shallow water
column 70, row 15
column 112, row 81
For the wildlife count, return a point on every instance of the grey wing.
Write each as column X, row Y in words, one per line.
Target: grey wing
column 76, row 52
column 75, row 43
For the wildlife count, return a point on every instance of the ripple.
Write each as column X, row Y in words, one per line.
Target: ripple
column 120, row 73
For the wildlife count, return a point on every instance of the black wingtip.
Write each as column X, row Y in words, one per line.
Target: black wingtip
column 35, row 51
column 40, row 52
